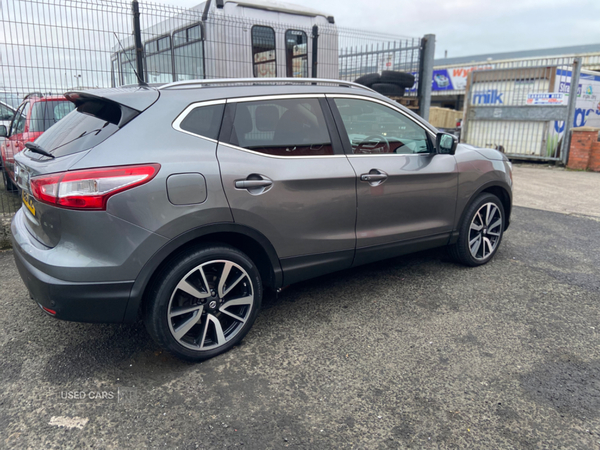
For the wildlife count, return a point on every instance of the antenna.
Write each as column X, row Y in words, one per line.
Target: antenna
column 140, row 81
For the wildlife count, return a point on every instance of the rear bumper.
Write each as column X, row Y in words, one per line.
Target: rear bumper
column 79, row 302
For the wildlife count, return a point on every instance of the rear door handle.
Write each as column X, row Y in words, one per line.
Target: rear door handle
column 255, row 184
column 249, row 184
column 375, row 177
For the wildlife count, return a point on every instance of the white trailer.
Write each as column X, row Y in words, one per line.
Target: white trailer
column 232, row 39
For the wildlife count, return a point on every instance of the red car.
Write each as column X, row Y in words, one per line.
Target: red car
column 35, row 115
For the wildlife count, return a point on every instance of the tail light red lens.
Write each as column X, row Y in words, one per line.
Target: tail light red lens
column 89, row 188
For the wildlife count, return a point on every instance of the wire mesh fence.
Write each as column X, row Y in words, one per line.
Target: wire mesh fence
column 524, row 111
column 48, row 47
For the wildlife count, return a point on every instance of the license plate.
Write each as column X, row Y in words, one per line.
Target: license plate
column 28, row 202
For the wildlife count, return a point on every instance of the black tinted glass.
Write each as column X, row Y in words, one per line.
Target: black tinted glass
column 204, row 121
column 291, row 127
column 75, row 133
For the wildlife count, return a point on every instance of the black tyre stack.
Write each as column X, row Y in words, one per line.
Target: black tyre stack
column 390, row 83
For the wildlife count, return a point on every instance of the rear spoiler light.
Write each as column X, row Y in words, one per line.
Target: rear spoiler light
column 89, row 189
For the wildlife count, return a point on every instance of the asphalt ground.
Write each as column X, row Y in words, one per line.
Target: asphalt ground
column 414, row 352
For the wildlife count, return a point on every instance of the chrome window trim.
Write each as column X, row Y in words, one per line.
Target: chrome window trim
column 235, row 147
column 176, row 124
column 391, row 155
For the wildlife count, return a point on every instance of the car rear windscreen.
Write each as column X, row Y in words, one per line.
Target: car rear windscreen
column 80, row 130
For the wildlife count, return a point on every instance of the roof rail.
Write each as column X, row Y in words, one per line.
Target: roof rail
column 274, row 80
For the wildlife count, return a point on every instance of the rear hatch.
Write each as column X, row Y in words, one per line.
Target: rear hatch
column 98, row 115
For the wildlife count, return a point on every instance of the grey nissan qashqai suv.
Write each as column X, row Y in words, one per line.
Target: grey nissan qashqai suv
column 180, row 204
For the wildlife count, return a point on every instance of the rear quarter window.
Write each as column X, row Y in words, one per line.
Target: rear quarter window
column 204, row 121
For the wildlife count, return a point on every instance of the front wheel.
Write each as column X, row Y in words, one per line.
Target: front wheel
column 480, row 232
column 204, row 302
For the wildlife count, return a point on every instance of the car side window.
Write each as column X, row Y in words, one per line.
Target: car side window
column 376, row 129
column 285, row 127
column 204, row 121
column 6, row 113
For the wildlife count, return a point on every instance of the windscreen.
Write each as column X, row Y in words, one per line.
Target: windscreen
column 87, row 126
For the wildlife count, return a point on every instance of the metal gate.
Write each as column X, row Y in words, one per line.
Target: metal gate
column 526, row 112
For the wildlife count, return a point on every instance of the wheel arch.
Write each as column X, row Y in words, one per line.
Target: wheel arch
column 500, row 190
column 245, row 239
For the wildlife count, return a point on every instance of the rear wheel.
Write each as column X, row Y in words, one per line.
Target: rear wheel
column 481, row 231
column 204, row 302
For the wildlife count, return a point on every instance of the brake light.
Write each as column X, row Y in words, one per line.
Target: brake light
column 89, row 188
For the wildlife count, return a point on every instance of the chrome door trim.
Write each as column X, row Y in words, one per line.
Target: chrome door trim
column 235, row 147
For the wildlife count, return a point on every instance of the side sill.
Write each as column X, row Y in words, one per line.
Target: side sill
column 300, row 268
column 368, row 255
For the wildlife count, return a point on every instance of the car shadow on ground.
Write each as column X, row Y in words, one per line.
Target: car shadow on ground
column 80, row 351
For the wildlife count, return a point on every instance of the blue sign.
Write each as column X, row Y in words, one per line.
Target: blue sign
column 488, row 97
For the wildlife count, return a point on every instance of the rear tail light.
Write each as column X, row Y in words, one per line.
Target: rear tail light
column 89, row 188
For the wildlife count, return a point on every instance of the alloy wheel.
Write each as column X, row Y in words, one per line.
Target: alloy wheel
column 210, row 305
column 485, row 231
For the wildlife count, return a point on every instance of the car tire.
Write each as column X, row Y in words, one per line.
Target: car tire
column 203, row 302
column 389, row 89
column 8, row 183
column 481, row 231
column 403, row 79
column 369, row 79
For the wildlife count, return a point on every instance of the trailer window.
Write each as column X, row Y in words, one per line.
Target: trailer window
column 296, row 53
column 159, row 65
column 188, row 54
column 128, row 62
column 263, row 52
column 116, row 73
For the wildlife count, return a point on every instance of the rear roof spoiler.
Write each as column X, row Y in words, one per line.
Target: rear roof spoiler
column 138, row 98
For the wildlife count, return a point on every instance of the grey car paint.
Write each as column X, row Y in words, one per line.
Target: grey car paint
column 417, row 199
column 129, row 238
column 310, row 209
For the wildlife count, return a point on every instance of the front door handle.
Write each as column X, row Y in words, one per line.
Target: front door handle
column 255, row 184
column 375, row 177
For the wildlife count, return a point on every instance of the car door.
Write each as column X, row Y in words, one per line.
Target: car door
column 406, row 192
column 285, row 175
column 6, row 116
column 14, row 143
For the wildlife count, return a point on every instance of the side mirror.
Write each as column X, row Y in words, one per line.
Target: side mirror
column 3, row 131
column 445, row 143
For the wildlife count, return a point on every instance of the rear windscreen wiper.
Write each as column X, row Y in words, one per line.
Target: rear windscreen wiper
column 37, row 149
